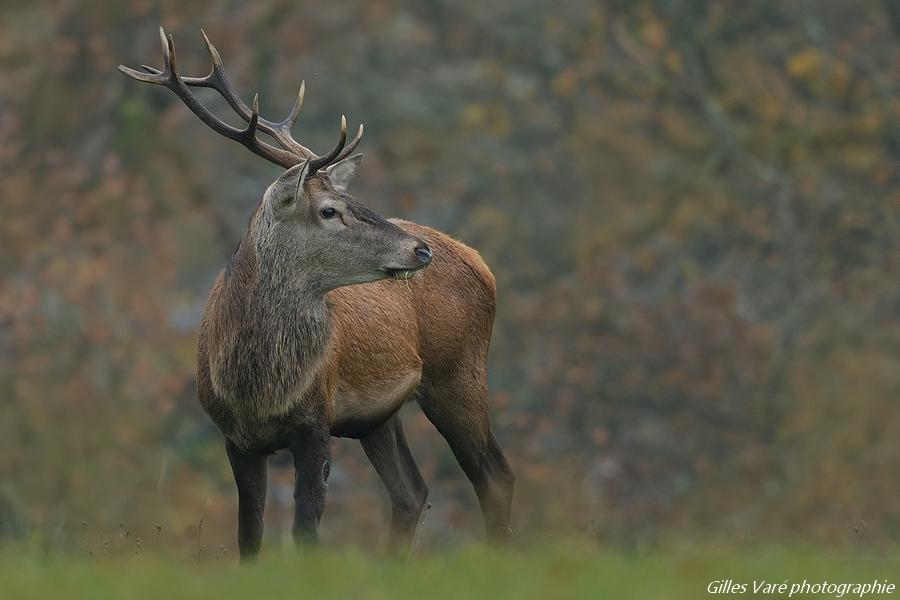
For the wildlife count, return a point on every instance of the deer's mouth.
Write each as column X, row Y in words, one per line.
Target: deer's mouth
column 399, row 273
column 422, row 258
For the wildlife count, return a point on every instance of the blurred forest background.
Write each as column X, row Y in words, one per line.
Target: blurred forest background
column 692, row 210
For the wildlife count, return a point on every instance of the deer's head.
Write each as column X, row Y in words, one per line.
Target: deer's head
column 306, row 225
column 311, row 228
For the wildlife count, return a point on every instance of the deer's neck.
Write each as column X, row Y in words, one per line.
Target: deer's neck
column 276, row 341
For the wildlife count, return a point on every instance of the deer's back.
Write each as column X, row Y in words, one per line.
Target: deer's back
column 388, row 334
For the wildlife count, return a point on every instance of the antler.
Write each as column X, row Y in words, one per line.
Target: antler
column 291, row 152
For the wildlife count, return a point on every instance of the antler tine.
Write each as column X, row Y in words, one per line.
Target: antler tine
column 289, row 120
column 254, row 118
column 169, row 78
column 323, row 161
column 351, row 146
column 168, row 48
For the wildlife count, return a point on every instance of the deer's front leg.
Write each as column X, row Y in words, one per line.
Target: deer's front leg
column 250, row 476
column 312, row 463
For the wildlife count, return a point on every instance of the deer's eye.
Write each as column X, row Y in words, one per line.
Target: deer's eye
column 328, row 212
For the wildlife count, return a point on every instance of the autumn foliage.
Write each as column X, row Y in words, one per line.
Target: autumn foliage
column 692, row 210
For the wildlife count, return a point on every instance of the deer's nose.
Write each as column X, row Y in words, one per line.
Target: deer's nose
column 423, row 253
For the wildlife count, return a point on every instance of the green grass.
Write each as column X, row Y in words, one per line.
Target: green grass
column 563, row 571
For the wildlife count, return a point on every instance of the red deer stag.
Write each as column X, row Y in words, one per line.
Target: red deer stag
column 317, row 328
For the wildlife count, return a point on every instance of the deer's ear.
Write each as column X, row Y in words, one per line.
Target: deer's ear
column 298, row 190
column 286, row 192
column 341, row 173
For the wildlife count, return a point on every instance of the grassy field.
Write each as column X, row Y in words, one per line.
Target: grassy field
column 563, row 571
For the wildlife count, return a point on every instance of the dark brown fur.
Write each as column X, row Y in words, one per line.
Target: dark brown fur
column 439, row 320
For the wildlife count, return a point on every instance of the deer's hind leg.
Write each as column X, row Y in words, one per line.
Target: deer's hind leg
column 458, row 406
column 389, row 453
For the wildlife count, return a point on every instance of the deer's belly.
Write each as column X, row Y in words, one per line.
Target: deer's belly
column 358, row 410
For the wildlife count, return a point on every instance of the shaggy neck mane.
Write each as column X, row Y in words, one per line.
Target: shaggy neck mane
column 271, row 335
